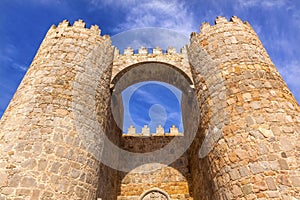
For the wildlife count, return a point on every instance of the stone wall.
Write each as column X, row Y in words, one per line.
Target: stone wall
column 258, row 153
column 174, row 179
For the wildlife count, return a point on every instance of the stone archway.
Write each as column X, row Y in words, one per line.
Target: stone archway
column 141, row 152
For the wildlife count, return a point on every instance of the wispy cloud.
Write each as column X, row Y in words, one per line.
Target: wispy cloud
column 261, row 3
column 19, row 67
column 291, row 73
column 153, row 105
column 8, row 57
column 174, row 15
column 104, row 3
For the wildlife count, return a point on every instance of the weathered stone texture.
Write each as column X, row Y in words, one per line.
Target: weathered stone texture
column 260, row 124
column 42, row 155
column 123, row 62
column 173, row 179
column 52, row 133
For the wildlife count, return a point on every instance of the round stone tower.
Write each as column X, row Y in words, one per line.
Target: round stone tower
column 43, row 154
column 250, row 121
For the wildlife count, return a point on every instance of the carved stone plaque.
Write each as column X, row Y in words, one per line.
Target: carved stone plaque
column 155, row 195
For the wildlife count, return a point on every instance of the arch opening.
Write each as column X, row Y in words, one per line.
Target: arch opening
column 150, row 72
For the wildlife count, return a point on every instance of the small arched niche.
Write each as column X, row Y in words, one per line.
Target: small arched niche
column 154, row 193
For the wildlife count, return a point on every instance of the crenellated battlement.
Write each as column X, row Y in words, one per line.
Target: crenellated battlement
column 79, row 24
column 234, row 20
column 229, row 40
column 144, row 51
column 169, row 56
column 146, row 132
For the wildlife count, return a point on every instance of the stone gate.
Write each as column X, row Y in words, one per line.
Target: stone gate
column 59, row 126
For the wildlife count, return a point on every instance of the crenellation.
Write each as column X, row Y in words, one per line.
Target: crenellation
column 247, row 24
column 129, row 58
column 53, row 26
column 157, row 50
column 220, row 20
column 79, row 24
column 159, row 131
column 174, row 130
column 106, row 37
column 171, row 50
column 143, row 51
column 128, row 51
column 204, row 28
column 116, row 51
column 146, row 131
column 65, row 23
column 183, row 50
column 78, row 29
column 235, row 19
column 131, row 132
column 95, row 29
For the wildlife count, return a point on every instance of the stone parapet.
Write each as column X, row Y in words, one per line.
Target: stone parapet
column 231, row 40
column 123, row 62
column 146, row 132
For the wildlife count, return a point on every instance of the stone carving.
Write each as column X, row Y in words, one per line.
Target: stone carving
column 154, row 196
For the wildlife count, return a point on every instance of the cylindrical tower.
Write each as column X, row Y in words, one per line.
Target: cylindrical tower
column 250, row 121
column 50, row 139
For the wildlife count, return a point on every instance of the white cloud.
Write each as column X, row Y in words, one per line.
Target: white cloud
column 273, row 3
column 157, row 111
column 257, row 28
column 104, row 3
column 173, row 15
column 157, row 13
column 8, row 57
column 19, row 67
column 261, row 3
column 135, row 38
column 42, row 2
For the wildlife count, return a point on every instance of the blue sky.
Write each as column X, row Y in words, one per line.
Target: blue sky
column 162, row 106
column 25, row 23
